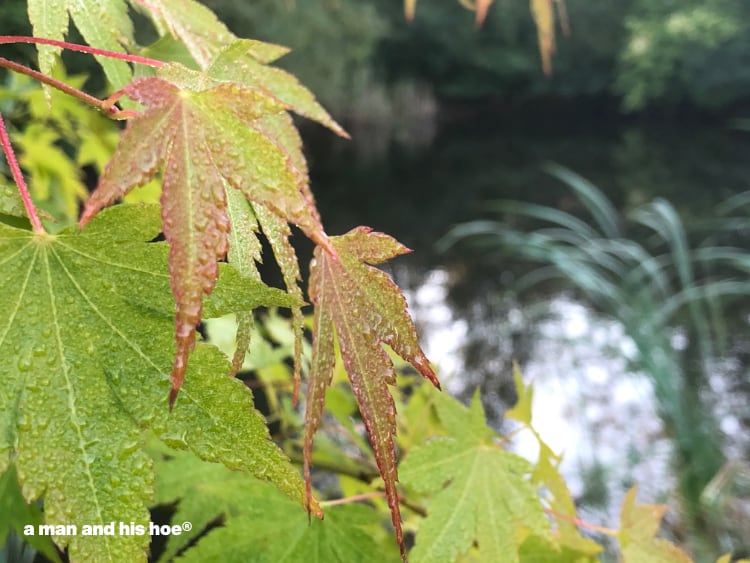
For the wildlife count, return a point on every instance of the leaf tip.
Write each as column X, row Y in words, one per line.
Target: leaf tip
column 172, row 397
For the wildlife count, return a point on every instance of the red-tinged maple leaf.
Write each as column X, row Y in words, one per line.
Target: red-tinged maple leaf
column 367, row 310
column 206, row 135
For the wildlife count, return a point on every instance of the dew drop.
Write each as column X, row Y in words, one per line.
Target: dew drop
column 23, row 422
column 24, row 363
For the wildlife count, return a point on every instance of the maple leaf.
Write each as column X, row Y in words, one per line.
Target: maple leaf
column 104, row 24
column 207, row 135
column 86, row 346
column 259, row 523
column 198, row 28
column 544, row 17
column 367, row 310
column 639, row 525
column 547, row 474
column 481, row 492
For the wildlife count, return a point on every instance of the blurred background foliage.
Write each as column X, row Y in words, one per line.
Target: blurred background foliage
column 634, row 53
column 637, row 53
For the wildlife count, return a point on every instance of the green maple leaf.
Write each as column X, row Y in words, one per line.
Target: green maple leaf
column 481, row 493
column 200, row 30
column 207, row 135
column 639, row 525
column 258, row 523
column 86, row 346
column 104, row 24
column 367, row 310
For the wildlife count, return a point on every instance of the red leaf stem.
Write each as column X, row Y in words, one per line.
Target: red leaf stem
column 15, row 170
column 9, row 39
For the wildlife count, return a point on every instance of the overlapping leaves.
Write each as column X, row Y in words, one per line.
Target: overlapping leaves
column 208, row 135
column 85, row 328
column 103, row 23
column 367, row 310
column 257, row 521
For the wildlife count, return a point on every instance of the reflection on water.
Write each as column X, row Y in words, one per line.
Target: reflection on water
column 588, row 404
column 590, row 401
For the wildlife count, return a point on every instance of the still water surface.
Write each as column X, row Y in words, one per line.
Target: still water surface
column 590, row 403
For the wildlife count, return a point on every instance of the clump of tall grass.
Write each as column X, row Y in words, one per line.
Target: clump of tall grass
column 658, row 287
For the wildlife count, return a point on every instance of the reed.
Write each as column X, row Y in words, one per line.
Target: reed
column 642, row 270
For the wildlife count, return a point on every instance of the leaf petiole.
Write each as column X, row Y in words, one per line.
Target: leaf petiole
column 10, row 39
column 582, row 523
column 15, row 170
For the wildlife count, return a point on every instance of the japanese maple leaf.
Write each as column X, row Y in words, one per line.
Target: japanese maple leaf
column 206, row 135
column 367, row 310
column 480, row 494
column 86, row 350
column 639, row 524
column 104, row 24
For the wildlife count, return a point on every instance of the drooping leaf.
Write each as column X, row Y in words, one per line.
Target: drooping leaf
column 544, row 17
column 86, row 346
column 481, row 493
column 259, row 524
column 367, row 310
column 410, row 7
column 277, row 232
column 244, row 252
column 205, row 135
column 104, row 24
column 639, row 525
column 482, row 7
column 15, row 513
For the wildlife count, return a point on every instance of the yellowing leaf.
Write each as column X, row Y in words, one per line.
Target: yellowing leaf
column 546, row 474
column 409, row 8
column 481, row 493
column 521, row 411
column 544, row 17
column 639, row 525
column 367, row 310
column 204, row 139
column 86, row 346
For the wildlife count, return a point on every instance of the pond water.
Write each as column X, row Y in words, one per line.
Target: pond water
column 590, row 402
